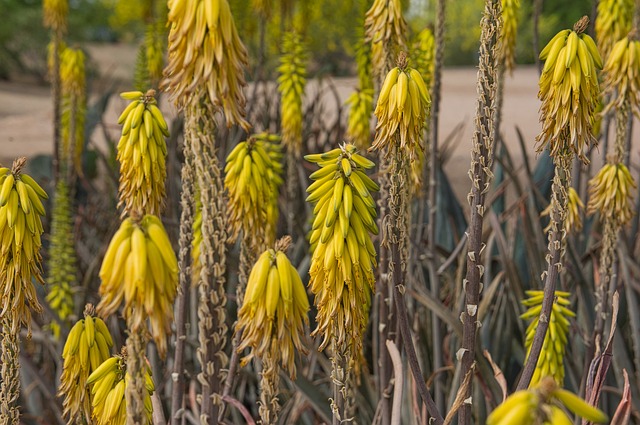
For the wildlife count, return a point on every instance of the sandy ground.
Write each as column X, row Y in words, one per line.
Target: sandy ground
column 26, row 110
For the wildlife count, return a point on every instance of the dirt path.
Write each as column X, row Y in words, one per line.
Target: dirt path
column 26, row 112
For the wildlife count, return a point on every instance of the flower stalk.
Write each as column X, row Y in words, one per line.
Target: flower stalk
column 481, row 176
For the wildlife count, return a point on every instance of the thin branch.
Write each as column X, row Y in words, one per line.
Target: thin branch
column 398, row 376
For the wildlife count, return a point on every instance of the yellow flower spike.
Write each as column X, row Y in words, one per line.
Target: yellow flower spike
column 108, row 386
column 611, row 194
column 142, row 152
column 569, row 83
column 253, row 179
column 613, row 22
column 424, row 53
column 402, row 106
column 510, row 10
column 140, row 267
column 551, row 360
column 205, row 51
column 291, row 84
column 91, row 335
column 385, row 28
column 73, row 104
column 360, row 104
column 622, row 74
column 275, row 309
column 342, row 265
column 55, row 14
column 20, row 242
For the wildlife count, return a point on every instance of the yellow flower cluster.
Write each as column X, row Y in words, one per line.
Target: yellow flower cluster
column 510, row 9
column 622, row 74
column 108, row 387
column 402, row 106
column 551, row 360
column 205, row 51
column 385, row 28
column 141, row 151
column 141, row 268
column 253, row 179
column 87, row 347
column 569, row 91
column 291, row 83
column 275, row 309
column 613, row 22
column 610, row 193
column 20, row 241
column 343, row 253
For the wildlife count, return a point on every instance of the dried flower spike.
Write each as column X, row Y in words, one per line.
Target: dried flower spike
column 569, row 91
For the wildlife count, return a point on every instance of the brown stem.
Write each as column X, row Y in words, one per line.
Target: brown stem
column 9, row 372
column 212, row 327
column 187, row 201
column 434, row 279
column 136, row 367
column 481, row 162
column 560, row 187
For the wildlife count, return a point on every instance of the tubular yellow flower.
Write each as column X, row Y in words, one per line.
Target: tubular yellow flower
column 385, row 29
column 205, row 51
column 249, row 179
column 141, row 151
column 402, row 106
column 20, row 241
column 108, row 387
column 87, row 347
column 551, row 360
column 141, row 268
column 360, row 104
column 343, row 257
column 62, row 271
column 291, row 83
column 613, row 22
column 55, row 14
column 541, row 404
column 72, row 79
column 569, row 91
column 622, row 74
column 573, row 220
column 275, row 309
column 510, row 9
column 610, row 194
